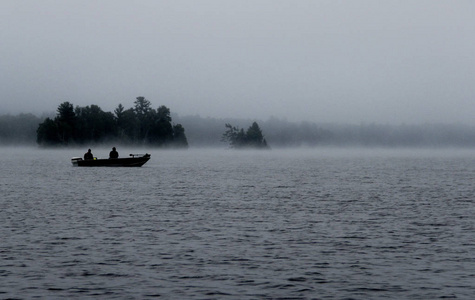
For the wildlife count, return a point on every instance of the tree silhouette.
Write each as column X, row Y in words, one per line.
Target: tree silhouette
column 179, row 137
column 143, row 112
column 65, row 122
column 48, row 133
column 139, row 125
column 254, row 137
column 237, row 138
column 93, row 124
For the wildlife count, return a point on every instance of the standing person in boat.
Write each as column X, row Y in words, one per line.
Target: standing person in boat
column 88, row 155
column 113, row 153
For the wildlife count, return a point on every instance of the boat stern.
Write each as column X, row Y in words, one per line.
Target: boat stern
column 75, row 160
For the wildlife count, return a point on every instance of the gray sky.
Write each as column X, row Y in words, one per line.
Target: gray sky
column 324, row 61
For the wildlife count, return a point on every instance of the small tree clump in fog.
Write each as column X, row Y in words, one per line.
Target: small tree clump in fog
column 238, row 138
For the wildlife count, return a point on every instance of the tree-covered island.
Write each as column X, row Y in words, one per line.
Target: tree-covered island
column 138, row 125
column 239, row 139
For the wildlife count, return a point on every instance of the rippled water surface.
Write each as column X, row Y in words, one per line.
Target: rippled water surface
column 220, row 224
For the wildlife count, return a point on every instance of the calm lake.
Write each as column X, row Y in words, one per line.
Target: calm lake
column 223, row 224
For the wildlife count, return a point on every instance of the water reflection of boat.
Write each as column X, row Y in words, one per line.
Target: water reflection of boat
column 135, row 160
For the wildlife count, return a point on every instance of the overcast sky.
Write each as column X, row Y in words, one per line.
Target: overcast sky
column 323, row 61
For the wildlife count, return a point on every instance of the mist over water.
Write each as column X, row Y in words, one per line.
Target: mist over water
column 219, row 224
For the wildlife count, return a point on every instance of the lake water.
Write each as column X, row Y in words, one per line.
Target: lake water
column 222, row 224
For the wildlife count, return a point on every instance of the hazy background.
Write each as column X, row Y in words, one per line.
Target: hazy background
column 321, row 61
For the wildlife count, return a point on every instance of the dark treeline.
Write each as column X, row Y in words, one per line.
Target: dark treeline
column 140, row 125
column 208, row 132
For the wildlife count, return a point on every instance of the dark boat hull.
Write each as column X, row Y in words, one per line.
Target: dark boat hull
column 133, row 161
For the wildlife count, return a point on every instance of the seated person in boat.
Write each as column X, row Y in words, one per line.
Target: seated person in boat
column 114, row 153
column 88, row 155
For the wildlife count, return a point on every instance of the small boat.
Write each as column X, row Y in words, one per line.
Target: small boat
column 135, row 160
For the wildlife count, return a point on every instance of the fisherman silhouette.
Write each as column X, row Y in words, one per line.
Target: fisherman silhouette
column 88, row 155
column 113, row 153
